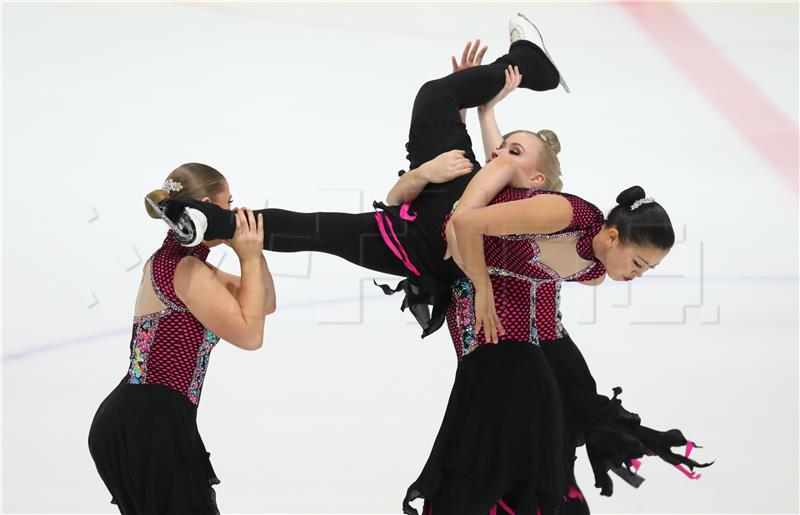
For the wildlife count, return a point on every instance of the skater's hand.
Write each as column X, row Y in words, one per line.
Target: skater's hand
column 486, row 316
column 470, row 57
column 513, row 80
column 248, row 239
column 445, row 167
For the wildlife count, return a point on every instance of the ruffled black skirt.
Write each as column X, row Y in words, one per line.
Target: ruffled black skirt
column 501, row 440
column 145, row 444
column 615, row 438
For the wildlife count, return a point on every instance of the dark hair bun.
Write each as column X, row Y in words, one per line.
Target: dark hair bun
column 630, row 195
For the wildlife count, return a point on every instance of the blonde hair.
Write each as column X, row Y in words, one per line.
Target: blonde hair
column 547, row 163
column 197, row 181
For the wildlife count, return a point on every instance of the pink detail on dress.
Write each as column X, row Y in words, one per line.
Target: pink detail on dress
column 690, row 445
column 394, row 245
column 574, row 493
column 505, row 507
column 688, row 473
column 636, row 464
column 493, row 511
column 404, row 214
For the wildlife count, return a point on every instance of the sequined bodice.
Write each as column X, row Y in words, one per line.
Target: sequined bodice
column 526, row 290
column 170, row 347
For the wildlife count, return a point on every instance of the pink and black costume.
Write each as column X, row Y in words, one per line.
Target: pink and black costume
column 519, row 408
column 501, row 447
column 523, row 429
column 514, row 419
column 144, row 438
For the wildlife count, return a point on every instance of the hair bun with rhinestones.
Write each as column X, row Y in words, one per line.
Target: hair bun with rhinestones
column 630, row 195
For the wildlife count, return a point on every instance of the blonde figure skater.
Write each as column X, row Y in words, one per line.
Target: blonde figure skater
column 144, row 438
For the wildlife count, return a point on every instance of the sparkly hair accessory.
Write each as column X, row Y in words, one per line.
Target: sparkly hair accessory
column 642, row 201
column 170, row 185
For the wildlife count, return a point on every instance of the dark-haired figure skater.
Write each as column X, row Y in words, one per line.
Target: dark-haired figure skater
column 144, row 438
column 515, row 252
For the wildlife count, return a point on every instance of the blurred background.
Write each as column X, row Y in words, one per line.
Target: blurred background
column 306, row 107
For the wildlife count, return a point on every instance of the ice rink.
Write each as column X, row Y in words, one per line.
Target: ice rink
column 306, row 107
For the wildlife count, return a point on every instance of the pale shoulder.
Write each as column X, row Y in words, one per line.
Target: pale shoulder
column 552, row 200
column 553, row 207
column 191, row 269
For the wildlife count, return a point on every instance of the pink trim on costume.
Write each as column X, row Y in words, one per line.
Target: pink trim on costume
column 493, row 511
column 636, row 464
column 574, row 493
column 397, row 250
column 688, row 473
column 691, row 475
column 406, row 261
column 404, row 213
column 505, row 507
column 385, row 237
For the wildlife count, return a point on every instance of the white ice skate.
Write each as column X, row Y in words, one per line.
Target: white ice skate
column 188, row 223
column 520, row 27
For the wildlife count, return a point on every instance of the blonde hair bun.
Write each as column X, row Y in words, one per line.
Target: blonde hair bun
column 156, row 196
column 196, row 181
column 551, row 139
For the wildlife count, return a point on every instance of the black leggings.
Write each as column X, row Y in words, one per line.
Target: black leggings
column 351, row 237
column 436, row 127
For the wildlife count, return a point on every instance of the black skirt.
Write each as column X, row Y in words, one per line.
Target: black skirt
column 501, row 440
column 426, row 295
column 145, row 444
column 614, row 437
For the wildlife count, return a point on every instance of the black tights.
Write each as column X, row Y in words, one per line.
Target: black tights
column 436, row 127
column 351, row 237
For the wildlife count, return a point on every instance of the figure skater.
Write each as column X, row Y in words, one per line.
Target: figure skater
column 144, row 438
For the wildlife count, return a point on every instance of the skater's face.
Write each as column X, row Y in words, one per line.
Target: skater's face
column 524, row 150
column 224, row 200
column 625, row 262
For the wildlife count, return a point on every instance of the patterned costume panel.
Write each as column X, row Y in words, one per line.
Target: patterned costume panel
column 171, row 347
column 526, row 291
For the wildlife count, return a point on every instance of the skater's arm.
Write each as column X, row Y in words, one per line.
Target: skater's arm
column 233, row 283
column 543, row 214
column 270, row 302
column 485, row 186
column 407, row 187
column 443, row 168
column 490, row 131
column 236, row 319
column 487, row 183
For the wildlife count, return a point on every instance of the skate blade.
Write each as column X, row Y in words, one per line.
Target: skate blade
column 561, row 80
column 184, row 232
